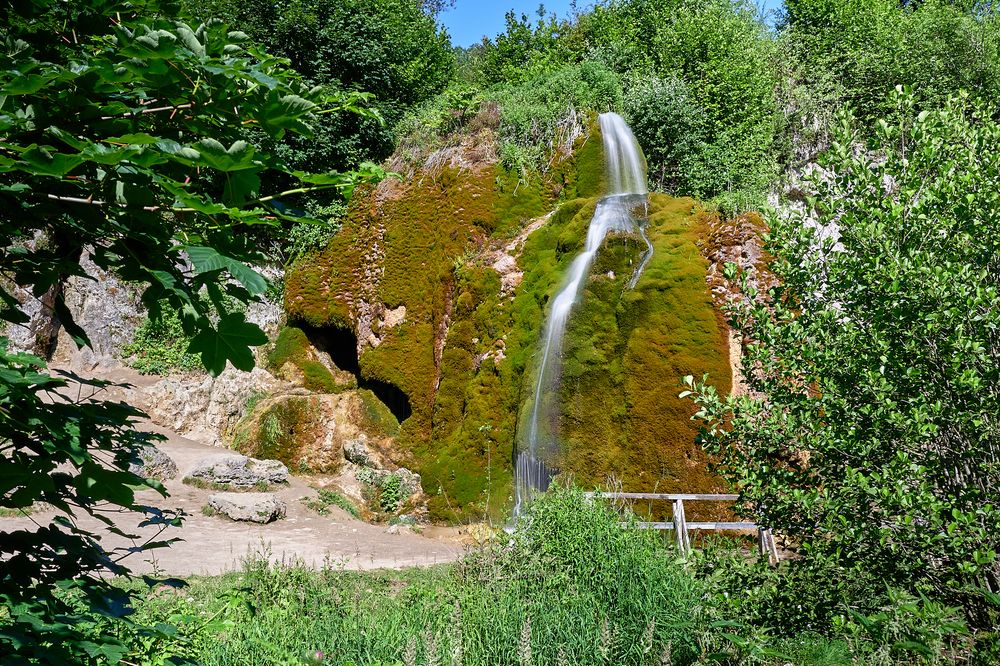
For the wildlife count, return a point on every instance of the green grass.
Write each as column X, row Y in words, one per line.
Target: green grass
column 6, row 512
column 571, row 586
column 326, row 498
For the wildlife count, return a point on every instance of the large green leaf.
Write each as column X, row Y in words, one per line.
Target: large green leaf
column 238, row 156
column 230, row 341
column 207, row 259
column 41, row 161
column 280, row 114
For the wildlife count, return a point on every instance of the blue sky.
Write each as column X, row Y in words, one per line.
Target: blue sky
column 470, row 20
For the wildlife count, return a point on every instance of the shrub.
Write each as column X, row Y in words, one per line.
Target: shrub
column 869, row 434
column 533, row 114
column 159, row 346
column 326, row 498
column 672, row 130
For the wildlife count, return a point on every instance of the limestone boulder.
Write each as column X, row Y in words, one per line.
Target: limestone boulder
column 204, row 407
column 248, row 507
column 357, row 451
column 238, row 471
column 152, row 463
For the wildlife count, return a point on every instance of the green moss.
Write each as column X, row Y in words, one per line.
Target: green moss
column 587, row 176
column 292, row 346
column 281, row 430
column 627, row 352
column 379, row 418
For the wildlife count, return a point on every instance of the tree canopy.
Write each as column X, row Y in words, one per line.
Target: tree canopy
column 869, row 434
column 125, row 137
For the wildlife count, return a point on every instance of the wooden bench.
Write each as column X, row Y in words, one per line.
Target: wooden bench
column 681, row 526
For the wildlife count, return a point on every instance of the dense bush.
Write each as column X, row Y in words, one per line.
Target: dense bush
column 538, row 117
column 715, row 57
column 870, row 433
column 392, row 49
column 160, row 346
column 672, row 129
column 855, row 52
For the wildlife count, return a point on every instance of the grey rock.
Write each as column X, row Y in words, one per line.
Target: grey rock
column 410, row 481
column 233, row 469
column 357, row 451
column 153, row 463
column 400, row 528
column 248, row 507
column 203, row 407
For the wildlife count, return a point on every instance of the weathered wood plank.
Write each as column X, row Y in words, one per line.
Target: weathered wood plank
column 665, row 496
column 718, row 526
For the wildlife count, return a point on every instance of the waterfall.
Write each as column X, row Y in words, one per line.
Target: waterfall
column 626, row 179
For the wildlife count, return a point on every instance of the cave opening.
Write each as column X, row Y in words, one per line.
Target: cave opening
column 342, row 346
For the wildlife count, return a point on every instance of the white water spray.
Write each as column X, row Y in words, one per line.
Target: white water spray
column 626, row 175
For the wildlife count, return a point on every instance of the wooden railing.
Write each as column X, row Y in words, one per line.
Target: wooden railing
column 681, row 526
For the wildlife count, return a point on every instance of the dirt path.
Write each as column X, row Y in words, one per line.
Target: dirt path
column 214, row 545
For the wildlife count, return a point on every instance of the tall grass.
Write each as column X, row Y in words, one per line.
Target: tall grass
column 569, row 586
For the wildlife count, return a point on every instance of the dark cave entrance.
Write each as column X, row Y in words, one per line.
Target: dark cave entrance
column 342, row 346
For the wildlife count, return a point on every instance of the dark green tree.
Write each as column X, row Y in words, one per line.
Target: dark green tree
column 123, row 136
column 393, row 49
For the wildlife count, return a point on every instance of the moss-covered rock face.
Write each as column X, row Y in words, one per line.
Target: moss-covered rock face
column 445, row 281
column 293, row 358
column 308, row 432
column 626, row 352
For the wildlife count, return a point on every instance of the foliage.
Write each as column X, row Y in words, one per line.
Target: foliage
column 383, row 492
column 123, row 134
column 392, row 49
column 699, row 72
column 672, row 130
column 537, row 117
column 325, row 498
column 159, row 347
column 622, row 598
column 722, row 51
column 391, row 493
column 854, row 53
column 869, row 436
column 73, row 455
column 571, row 585
column 525, row 50
column 304, row 238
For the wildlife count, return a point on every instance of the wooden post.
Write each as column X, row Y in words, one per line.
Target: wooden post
column 687, row 534
column 772, row 548
column 680, row 528
column 768, row 549
column 678, row 534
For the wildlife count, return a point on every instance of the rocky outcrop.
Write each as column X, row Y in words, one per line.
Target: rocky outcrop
column 248, row 507
column 358, row 452
column 152, row 463
column 201, row 406
column 237, row 471
column 309, row 432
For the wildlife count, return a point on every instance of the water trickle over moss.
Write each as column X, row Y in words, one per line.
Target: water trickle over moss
column 466, row 351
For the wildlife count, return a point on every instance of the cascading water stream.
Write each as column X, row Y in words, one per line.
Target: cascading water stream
column 626, row 177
